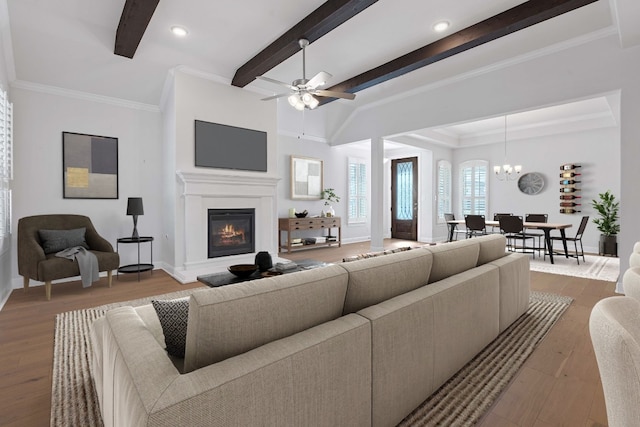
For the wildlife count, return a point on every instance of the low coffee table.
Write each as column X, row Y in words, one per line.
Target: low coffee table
column 225, row 278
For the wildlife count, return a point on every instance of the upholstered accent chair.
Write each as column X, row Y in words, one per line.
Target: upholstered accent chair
column 614, row 326
column 37, row 259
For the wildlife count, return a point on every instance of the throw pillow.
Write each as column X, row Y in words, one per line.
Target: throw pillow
column 59, row 240
column 173, row 315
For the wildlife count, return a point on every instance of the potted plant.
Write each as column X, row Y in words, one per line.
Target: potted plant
column 607, row 222
column 329, row 196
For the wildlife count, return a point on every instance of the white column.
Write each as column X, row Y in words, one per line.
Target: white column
column 630, row 176
column 377, row 194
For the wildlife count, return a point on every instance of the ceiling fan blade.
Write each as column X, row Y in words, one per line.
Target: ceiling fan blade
column 332, row 94
column 275, row 96
column 319, row 79
column 278, row 82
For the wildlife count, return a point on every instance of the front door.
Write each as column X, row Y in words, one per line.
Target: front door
column 404, row 198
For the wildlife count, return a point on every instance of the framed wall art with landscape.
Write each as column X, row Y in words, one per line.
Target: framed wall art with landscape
column 306, row 178
column 90, row 166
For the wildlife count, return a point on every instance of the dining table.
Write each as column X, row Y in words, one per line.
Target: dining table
column 546, row 227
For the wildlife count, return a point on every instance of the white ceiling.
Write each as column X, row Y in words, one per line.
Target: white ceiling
column 68, row 44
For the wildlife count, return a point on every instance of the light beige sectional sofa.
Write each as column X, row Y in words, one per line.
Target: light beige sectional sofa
column 353, row 344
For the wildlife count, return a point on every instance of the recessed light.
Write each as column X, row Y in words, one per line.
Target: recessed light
column 179, row 31
column 441, row 26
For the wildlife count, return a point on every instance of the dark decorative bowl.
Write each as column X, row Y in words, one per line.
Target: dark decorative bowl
column 243, row 270
column 301, row 214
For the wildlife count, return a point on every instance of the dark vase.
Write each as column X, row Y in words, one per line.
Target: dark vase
column 263, row 261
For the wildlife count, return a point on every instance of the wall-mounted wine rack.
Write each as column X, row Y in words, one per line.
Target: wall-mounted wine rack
column 570, row 196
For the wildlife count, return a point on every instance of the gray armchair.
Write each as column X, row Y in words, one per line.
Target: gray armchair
column 34, row 263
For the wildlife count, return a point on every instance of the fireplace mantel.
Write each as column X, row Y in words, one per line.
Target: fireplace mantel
column 202, row 191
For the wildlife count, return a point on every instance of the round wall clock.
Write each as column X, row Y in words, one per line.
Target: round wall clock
column 531, row 183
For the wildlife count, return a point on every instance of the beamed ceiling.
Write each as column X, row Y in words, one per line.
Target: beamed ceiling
column 123, row 49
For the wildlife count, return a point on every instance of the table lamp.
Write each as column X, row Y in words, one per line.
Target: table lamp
column 134, row 207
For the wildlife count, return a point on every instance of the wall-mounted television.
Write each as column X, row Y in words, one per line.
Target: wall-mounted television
column 229, row 147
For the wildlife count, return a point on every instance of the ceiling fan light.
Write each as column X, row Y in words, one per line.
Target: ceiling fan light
column 306, row 98
column 313, row 103
column 299, row 106
column 293, row 99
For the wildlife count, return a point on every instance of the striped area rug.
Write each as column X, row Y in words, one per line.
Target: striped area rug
column 592, row 267
column 459, row 402
column 463, row 400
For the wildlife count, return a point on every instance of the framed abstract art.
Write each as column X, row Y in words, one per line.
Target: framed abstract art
column 90, row 166
column 306, row 178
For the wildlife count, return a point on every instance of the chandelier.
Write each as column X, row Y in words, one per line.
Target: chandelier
column 506, row 172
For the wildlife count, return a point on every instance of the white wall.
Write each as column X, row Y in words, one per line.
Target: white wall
column 598, row 151
column 196, row 98
column 335, row 162
column 40, row 119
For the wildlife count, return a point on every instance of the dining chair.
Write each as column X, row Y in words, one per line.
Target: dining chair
column 577, row 238
column 475, row 224
column 451, row 217
column 513, row 229
column 496, row 217
column 542, row 244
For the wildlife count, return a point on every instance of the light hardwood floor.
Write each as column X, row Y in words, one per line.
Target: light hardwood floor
column 558, row 386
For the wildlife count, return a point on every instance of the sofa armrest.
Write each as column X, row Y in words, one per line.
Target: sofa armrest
column 325, row 370
column 96, row 242
column 135, row 368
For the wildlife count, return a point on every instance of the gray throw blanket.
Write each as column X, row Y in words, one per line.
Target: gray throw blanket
column 87, row 262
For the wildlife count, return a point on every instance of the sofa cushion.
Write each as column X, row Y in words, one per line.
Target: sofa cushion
column 230, row 320
column 492, row 247
column 58, row 240
column 453, row 258
column 377, row 279
column 173, row 316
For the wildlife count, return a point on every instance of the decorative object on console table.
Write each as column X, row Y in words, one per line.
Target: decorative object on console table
column 289, row 225
column 569, row 180
column 607, row 223
column 329, row 196
column 135, row 208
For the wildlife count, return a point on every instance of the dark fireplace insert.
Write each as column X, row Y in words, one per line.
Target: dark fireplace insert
column 231, row 232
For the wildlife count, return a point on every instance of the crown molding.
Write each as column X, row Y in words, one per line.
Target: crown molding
column 84, row 96
column 303, row 136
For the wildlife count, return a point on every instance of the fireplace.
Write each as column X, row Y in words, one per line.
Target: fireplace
column 231, row 232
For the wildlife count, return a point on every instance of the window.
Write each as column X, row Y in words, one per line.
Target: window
column 473, row 187
column 357, row 191
column 6, row 162
column 444, row 190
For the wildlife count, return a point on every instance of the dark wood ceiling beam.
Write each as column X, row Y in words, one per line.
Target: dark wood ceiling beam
column 522, row 16
column 134, row 20
column 315, row 25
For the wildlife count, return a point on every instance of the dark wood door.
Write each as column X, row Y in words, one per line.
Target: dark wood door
column 404, row 198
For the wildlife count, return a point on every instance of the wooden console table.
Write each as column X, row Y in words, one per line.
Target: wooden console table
column 294, row 224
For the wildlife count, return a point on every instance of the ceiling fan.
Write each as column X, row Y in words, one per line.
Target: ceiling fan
column 304, row 92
